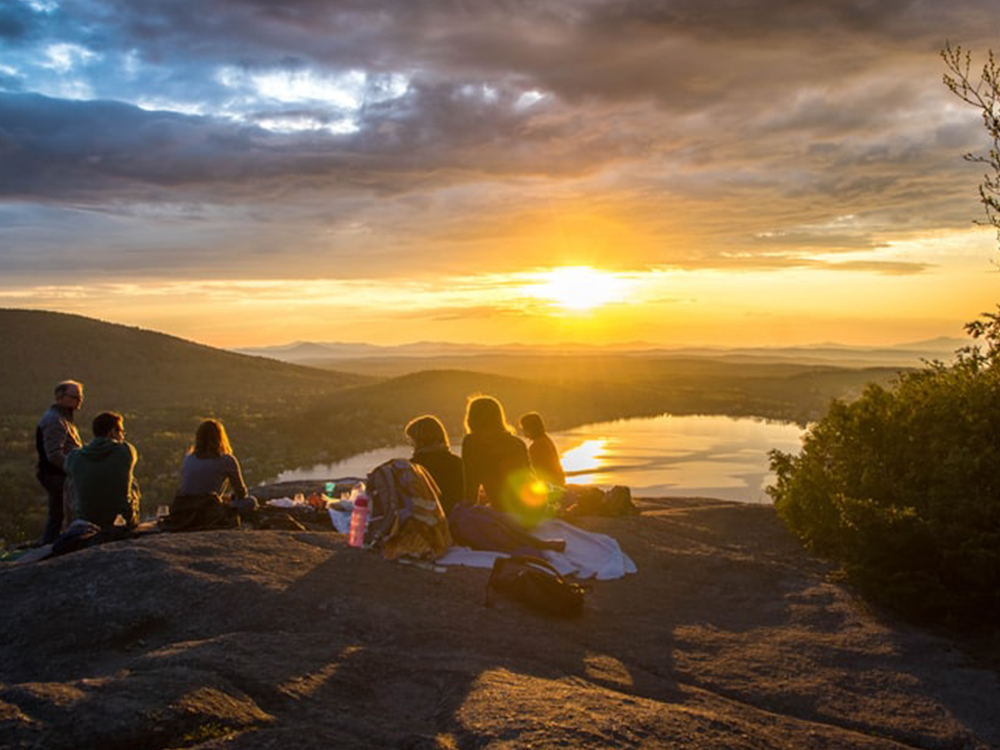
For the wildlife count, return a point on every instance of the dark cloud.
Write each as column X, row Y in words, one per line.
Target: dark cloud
column 18, row 23
column 678, row 52
column 745, row 126
column 105, row 149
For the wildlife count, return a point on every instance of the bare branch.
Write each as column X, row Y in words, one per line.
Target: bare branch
column 984, row 95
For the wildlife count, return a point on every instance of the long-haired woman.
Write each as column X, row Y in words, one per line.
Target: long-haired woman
column 210, row 467
column 495, row 459
column 496, row 464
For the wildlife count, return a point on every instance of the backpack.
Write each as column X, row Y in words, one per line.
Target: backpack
column 534, row 583
column 618, row 502
column 589, row 500
column 406, row 517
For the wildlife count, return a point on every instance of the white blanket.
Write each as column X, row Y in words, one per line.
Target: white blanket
column 587, row 555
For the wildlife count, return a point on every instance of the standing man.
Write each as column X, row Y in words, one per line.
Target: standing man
column 103, row 474
column 55, row 437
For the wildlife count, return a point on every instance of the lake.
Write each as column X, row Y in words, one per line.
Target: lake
column 665, row 456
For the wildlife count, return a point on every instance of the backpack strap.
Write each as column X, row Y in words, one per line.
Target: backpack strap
column 537, row 562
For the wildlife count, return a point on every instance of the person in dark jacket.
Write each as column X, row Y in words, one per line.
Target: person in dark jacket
column 432, row 451
column 542, row 452
column 497, row 467
column 56, row 437
column 495, row 459
column 103, row 474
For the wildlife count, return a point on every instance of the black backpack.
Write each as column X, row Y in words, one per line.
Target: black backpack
column 534, row 583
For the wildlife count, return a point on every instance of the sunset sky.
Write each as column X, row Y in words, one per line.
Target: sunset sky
column 248, row 172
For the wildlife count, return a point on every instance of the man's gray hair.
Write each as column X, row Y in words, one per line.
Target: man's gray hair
column 66, row 385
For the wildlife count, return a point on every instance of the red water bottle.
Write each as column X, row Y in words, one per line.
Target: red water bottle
column 359, row 520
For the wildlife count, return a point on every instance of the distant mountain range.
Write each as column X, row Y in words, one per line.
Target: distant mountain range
column 328, row 354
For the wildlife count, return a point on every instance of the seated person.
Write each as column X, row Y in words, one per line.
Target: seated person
column 484, row 528
column 542, row 452
column 431, row 450
column 211, row 468
column 495, row 459
column 103, row 476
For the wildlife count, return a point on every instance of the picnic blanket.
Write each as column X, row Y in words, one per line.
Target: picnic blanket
column 588, row 554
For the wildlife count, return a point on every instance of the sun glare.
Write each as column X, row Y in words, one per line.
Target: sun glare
column 579, row 288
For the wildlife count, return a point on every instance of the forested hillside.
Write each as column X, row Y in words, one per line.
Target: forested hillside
column 125, row 368
column 281, row 416
column 657, row 382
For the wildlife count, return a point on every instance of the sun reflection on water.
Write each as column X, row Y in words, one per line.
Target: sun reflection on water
column 582, row 461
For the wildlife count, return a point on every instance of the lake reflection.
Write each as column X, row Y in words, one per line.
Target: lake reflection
column 708, row 456
column 665, row 456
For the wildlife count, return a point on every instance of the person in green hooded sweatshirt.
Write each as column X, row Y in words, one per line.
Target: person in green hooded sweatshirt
column 103, row 474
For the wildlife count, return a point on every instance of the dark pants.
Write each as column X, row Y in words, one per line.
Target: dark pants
column 485, row 528
column 54, row 485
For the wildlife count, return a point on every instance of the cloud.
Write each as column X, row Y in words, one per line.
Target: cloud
column 478, row 312
column 376, row 137
column 18, row 23
column 884, row 267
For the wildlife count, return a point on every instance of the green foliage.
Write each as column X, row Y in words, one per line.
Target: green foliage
column 22, row 501
column 902, row 485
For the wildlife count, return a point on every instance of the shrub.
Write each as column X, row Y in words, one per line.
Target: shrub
column 902, row 486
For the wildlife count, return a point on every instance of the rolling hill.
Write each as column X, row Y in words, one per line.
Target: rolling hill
column 278, row 415
column 125, row 368
column 282, row 416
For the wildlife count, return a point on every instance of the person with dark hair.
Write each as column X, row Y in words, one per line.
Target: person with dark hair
column 210, row 467
column 542, row 452
column 495, row 459
column 496, row 464
column 56, row 437
column 432, row 451
column 103, row 474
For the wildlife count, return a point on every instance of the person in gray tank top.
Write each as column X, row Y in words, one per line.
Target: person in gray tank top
column 211, row 467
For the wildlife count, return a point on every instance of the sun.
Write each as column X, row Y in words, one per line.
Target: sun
column 579, row 288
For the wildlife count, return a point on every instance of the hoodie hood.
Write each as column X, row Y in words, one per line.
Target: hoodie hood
column 99, row 448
